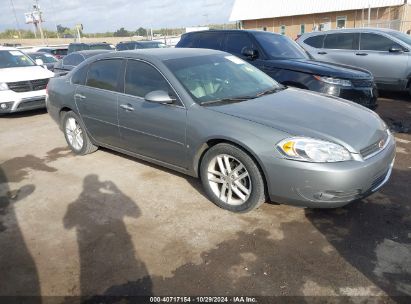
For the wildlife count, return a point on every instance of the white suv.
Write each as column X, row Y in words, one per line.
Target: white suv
column 22, row 82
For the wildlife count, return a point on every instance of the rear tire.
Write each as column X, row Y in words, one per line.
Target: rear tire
column 232, row 179
column 76, row 135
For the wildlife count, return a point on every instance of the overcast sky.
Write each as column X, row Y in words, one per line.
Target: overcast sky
column 109, row 15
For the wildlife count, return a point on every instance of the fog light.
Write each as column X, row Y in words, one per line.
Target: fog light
column 4, row 106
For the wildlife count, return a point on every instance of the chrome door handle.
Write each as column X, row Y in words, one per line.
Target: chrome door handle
column 80, row 96
column 361, row 54
column 322, row 53
column 127, row 107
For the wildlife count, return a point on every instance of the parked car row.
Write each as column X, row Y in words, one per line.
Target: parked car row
column 235, row 112
column 383, row 52
column 22, row 82
column 285, row 61
column 212, row 115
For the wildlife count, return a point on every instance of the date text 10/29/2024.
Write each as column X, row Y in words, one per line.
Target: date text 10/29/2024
column 203, row 299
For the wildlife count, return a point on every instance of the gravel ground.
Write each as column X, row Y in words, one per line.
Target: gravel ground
column 108, row 224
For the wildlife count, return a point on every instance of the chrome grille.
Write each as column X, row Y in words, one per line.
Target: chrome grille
column 362, row 83
column 375, row 147
column 27, row 86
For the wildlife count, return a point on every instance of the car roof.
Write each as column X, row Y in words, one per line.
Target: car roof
column 140, row 41
column 7, row 48
column 163, row 54
column 88, row 43
column 231, row 31
column 89, row 53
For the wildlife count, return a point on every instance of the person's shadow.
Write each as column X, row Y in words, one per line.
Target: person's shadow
column 106, row 250
column 18, row 272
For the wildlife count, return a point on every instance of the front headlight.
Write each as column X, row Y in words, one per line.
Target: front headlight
column 336, row 81
column 313, row 150
column 3, row 86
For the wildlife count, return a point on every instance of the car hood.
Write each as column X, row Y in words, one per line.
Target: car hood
column 24, row 73
column 320, row 68
column 304, row 113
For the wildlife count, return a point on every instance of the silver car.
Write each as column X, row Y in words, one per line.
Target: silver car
column 384, row 52
column 211, row 115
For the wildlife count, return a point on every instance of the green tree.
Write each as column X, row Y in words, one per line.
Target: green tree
column 141, row 32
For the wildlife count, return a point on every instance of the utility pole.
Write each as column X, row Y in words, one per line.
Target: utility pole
column 369, row 13
column 37, row 18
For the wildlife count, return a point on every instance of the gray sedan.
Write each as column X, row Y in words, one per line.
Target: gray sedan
column 211, row 115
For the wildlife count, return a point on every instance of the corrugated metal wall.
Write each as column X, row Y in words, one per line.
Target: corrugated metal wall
column 259, row 9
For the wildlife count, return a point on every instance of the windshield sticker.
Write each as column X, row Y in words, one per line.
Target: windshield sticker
column 15, row 53
column 235, row 59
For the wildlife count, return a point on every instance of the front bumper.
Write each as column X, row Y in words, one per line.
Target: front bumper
column 328, row 185
column 11, row 102
column 365, row 96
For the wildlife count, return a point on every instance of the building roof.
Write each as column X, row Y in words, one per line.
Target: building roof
column 260, row 9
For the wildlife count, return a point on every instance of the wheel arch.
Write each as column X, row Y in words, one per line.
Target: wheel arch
column 219, row 140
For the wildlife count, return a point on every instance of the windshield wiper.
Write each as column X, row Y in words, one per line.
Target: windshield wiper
column 232, row 99
column 269, row 91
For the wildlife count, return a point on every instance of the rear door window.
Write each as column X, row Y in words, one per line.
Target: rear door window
column 315, row 41
column 211, row 41
column 376, row 42
column 73, row 60
column 105, row 74
column 341, row 41
column 235, row 42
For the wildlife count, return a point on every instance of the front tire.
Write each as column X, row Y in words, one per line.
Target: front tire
column 76, row 135
column 231, row 179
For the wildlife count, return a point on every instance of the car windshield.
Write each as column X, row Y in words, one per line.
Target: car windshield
column 403, row 37
column 47, row 58
column 153, row 45
column 280, row 47
column 13, row 59
column 219, row 78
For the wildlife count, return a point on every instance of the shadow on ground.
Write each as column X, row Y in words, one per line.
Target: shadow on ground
column 18, row 272
column 374, row 235
column 24, row 114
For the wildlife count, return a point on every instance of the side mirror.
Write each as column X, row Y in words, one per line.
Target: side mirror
column 39, row 61
column 249, row 52
column 395, row 49
column 159, row 97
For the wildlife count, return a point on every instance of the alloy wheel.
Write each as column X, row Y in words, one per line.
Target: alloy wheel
column 229, row 179
column 74, row 133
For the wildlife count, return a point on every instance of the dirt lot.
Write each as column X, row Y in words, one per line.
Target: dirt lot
column 111, row 225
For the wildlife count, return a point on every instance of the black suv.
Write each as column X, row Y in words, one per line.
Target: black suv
column 286, row 62
column 75, row 47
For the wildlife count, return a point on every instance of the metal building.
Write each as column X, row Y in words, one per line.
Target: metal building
column 294, row 17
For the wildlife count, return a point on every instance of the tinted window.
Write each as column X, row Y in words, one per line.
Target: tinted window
column 125, row 46
column 187, row 41
column 279, row 47
column 210, row 41
column 375, row 42
column 79, row 77
column 60, row 52
column 342, row 41
column 141, row 78
column 237, row 41
column 315, row 41
column 401, row 36
column 73, row 59
column 104, row 74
